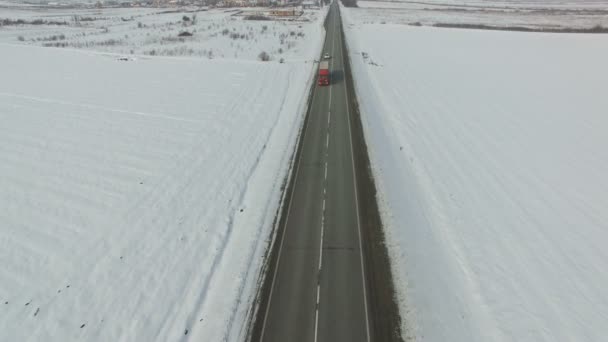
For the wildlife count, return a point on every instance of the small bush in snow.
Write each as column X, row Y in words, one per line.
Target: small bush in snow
column 171, row 39
column 56, row 44
column 264, row 56
column 109, row 42
column 53, row 38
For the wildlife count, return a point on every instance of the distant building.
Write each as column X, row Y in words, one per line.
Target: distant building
column 309, row 4
column 291, row 12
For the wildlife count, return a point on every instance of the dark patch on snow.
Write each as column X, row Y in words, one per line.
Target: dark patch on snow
column 82, row 326
column 28, row 303
column 37, row 311
column 186, row 332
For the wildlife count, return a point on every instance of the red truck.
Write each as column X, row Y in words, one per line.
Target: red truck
column 324, row 73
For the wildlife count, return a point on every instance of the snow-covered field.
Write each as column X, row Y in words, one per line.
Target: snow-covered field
column 215, row 33
column 137, row 197
column 489, row 152
column 541, row 14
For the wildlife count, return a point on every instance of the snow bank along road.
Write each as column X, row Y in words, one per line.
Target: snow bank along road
column 328, row 279
column 136, row 197
column 489, row 151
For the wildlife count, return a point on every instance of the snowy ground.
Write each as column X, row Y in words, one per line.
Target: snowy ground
column 489, row 151
column 137, row 196
column 216, row 33
column 540, row 14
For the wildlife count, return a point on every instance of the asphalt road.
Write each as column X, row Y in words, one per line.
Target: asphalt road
column 317, row 284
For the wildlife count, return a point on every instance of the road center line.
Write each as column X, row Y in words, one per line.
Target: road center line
column 319, row 270
column 317, row 311
column 321, row 244
column 324, row 195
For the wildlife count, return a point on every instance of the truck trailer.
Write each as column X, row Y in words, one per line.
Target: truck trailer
column 324, row 73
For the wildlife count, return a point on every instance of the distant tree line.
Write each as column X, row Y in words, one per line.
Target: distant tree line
column 594, row 29
column 11, row 22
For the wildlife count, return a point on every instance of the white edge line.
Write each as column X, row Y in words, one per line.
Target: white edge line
column 356, row 203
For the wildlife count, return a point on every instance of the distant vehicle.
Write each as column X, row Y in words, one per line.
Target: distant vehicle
column 324, row 73
column 326, row 56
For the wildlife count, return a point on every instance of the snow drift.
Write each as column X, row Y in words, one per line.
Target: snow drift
column 489, row 152
column 137, row 194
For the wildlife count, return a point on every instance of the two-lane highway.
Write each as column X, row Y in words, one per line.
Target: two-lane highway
column 316, row 289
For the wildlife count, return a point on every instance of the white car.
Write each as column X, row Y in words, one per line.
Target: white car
column 326, row 56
